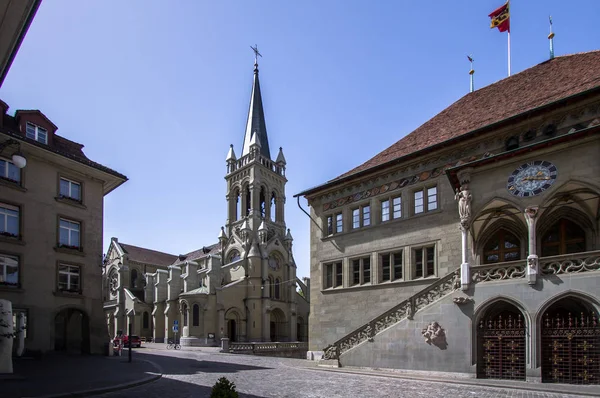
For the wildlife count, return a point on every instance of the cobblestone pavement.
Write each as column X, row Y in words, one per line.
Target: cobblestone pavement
column 193, row 373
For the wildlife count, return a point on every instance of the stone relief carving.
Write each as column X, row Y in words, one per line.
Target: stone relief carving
column 532, row 262
column 113, row 282
column 434, row 334
column 462, row 300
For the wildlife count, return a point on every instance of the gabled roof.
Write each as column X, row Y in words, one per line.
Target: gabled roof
column 544, row 84
column 147, row 256
column 256, row 121
column 197, row 254
column 60, row 145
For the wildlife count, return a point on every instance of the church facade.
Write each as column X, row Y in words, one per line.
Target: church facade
column 472, row 244
column 244, row 287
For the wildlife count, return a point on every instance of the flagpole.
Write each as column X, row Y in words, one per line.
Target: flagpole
column 509, row 53
column 508, row 4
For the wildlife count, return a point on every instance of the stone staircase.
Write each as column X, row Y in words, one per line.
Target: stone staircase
column 406, row 309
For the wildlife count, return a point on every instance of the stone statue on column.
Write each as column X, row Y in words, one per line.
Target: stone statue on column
column 531, row 214
column 463, row 197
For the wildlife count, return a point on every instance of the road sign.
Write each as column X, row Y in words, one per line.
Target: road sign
column 175, row 328
column 175, row 322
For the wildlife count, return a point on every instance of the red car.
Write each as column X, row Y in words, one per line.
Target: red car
column 135, row 341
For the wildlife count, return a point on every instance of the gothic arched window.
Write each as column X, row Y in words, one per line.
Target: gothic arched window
column 238, row 205
column 234, row 255
column 563, row 237
column 273, row 208
column 263, row 202
column 196, row 315
column 502, row 246
column 248, row 201
column 184, row 309
column 134, row 278
column 271, row 288
column 277, row 283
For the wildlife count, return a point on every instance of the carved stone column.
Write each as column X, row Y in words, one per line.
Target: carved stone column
column 531, row 213
column 463, row 197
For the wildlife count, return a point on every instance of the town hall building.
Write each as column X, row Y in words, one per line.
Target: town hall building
column 472, row 244
column 244, row 287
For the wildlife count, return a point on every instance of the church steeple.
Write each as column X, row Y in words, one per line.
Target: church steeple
column 256, row 117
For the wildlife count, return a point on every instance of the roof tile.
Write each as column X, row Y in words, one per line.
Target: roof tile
column 543, row 84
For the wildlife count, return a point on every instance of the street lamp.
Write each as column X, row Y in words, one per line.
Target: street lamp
column 17, row 157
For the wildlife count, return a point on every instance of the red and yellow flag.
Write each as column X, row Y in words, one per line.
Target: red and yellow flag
column 500, row 18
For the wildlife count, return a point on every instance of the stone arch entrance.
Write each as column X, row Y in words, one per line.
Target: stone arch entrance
column 501, row 345
column 72, row 331
column 278, row 325
column 232, row 330
column 570, row 348
column 233, row 323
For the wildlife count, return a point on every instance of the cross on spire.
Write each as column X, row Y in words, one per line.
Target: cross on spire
column 256, row 54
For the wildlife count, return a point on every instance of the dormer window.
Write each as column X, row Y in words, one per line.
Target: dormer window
column 36, row 133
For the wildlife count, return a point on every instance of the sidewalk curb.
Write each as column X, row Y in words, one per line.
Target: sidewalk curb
column 113, row 388
column 537, row 387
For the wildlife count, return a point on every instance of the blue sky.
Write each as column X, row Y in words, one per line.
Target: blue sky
column 158, row 90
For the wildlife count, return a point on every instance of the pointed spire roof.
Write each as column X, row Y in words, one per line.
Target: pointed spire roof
column 280, row 157
column 256, row 121
column 231, row 154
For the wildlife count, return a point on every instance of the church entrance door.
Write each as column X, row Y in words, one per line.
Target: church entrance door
column 232, row 330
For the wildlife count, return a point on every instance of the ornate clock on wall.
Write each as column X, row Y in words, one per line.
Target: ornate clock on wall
column 532, row 178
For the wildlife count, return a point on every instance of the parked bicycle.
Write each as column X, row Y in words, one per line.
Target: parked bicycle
column 173, row 345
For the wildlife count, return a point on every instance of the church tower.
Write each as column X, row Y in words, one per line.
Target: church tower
column 255, row 234
column 256, row 182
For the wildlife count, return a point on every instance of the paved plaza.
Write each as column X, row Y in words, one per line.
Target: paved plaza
column 190, row 373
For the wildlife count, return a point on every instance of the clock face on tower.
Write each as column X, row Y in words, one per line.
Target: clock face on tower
column 532, row 178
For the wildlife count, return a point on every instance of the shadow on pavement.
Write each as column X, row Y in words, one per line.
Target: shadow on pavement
column 166, row 387
column 63, row 373
column 178, row 365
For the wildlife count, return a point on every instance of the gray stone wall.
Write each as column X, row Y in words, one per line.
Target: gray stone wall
column 402, row 346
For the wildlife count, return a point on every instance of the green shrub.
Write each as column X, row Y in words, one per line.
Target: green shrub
column 224, row 389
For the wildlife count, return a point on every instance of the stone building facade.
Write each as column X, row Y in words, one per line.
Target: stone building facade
column 244, row 287
column 51, row 224
column 471, row 245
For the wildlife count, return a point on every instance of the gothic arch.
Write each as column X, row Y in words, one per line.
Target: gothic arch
column 494, row 210
column 576, row 294
column 233, row 322
column 548, row 219
column 134, row 277
column 565, row 334
column 274, row 248
column 481, row 310
column 278, row 325
column 233, row 255
column 501, row 325
column 515, row 227
column 582, row 193
column 494, row 204
column 271, row 282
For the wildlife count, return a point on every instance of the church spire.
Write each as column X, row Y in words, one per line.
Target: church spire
column 256, row 116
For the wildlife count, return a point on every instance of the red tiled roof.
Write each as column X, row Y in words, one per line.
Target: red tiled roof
column 60, row 145
column 543, row 84
column 198, row 254
column 147, row 256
